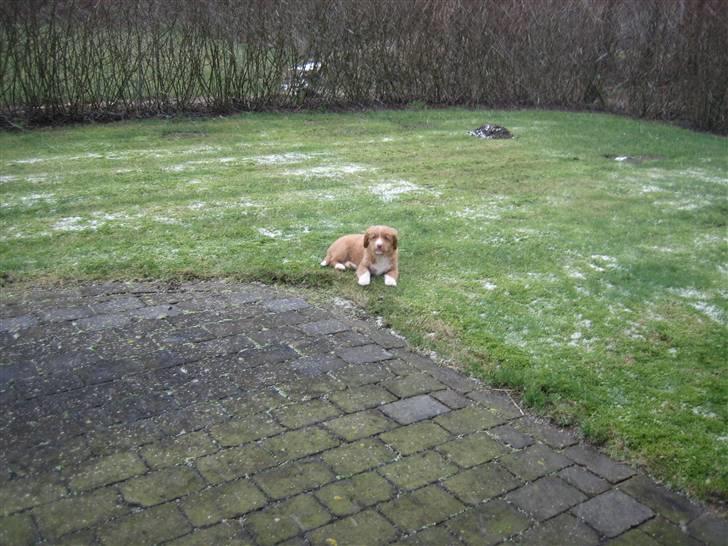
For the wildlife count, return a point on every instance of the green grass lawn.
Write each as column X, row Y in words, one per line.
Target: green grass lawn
column 596, row 287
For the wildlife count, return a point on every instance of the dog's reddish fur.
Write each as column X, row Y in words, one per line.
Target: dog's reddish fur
column 373, row 253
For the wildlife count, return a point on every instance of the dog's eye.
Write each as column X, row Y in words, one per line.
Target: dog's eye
column 386, row 237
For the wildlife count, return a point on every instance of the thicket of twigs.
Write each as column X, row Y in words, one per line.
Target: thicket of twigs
column 63, row 60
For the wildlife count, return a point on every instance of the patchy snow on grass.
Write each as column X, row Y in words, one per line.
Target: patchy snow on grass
column 29, row 161
column 710, row 311
column 492, row 209
column 271, row 233
column 29, row 200
column 284, row 158
column 392, row 189
column 328, row 171
column 573, row 273
column 8, row 178
column 488, row 284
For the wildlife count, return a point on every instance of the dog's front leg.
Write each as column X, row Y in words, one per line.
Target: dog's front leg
column 390, row 278
column 362, row 273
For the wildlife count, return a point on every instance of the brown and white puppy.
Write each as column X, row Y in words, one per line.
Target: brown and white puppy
column 373, row 253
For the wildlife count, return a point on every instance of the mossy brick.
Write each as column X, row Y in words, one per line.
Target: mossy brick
column 233, row 463
column 300, row 443
column 418, row 470
column 509, row 435
column 366, row 527
column 470, row 419
column 432, row 536
column 411, row 385
column 500, row 401
column 612, row 513
column 664, row 532
column 17, row 495
column 299, row 415
column 546, row 432
column 635, row 537
column 160, row 486
column 78, row 512
column 241, row 431
column 488, row 524
column 221, row 502
column 481, row 483
column 287, row 519
column 670, row 505
column 598, row 463
column 151, row 526
column 361, row 398
column 347, row 497
column 365, row 354
column 254, row 402
column 357, row 376
column 545, row 497
column 534, row 462
column 584, row 480
column 451, row 399
column 359, row 425
column 358, row 456
column 107, row 470
column 563, row 530
column 709, row 528
column 227, row 533
column 178, row 450
column 416, row 408
column 471, row 450
column 17, row 530
column 295, row 478
column 413, row 438
column 323, row 327
column 77, row 538
column 424, row 507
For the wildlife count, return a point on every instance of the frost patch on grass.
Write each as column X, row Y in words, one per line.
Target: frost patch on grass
column 689, row 293
column 650, row 189
column 328, row 171
column 709, row 240
column 710, row 311
column 197, row 205
column 573, row 273
column 391, row 190
column 98, row 219
column 29, row 200
column 280, row 235
column 602, row 263
column 29, row 161
column 705, row 176
column 683, row 204
column 488, row 285
column 271, row 233
column 8, row 178
column 704, row 412
column 285, row 158
column 492, row 209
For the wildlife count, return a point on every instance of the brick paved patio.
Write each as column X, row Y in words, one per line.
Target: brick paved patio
column 216, row 413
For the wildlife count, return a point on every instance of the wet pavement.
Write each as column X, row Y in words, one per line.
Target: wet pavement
column 221, row 413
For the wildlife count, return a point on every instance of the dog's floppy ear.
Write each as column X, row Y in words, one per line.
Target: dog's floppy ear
column 394, row 241
column 366, row 239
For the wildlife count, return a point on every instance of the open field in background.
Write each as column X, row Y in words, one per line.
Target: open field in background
column 597, row 287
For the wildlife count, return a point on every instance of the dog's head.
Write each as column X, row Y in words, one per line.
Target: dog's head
column 381, row 240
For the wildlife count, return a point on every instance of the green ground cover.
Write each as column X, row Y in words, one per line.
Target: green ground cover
column 596, row 287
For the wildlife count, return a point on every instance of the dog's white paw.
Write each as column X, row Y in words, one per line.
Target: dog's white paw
column 324, row 263
column 390, row 281
column 340, row 267
column 365, row 279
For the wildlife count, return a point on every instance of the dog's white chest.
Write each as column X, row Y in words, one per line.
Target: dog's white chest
column 381, row 266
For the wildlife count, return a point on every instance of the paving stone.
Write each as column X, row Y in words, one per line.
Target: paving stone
column 599, row 464
column 233, row 463
column 308, row 413
column 15, row 324
column 151, row 526
column 317, row 365
column 160, row 486
column 66, row 313
column 107, row 470
column 227, row 533
column 225, row 345
column 364, row 355
column 225, row 501
column 287, row 519
column 414, row 409
column 662, row 501
column 488, row 524
column 534, row 462
column 19, row 494
column 73, row 513
column 178, row 450
column 401, row 368
column 546, row 497
column 350, row 339
column 547, row 433
column 366, row 527
column 17, row 530
column 285, row 304
column 664, row 532
column 612, row 513
column 633, row 537
column 361, row 398
column 426, row 506
column 240, row 431
column 294, row 478
column 584, row 480
column 356, row 376
column 451, row 399
column 323, row 327
column 563, row 530
column 300, row 443
column 359, row 425
column 253, row 402
column 474, row 449
column 432, row 536
column 453, row 379
column 155, row 312
column 102, row 322
column 357, row 456
column 470, row 419
column 709, row 528
column 413, row 438
column 481, row 483
column 510, row 436
column 411, row 385
column 115, row 305
column 349, row 496
column 418, row 470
